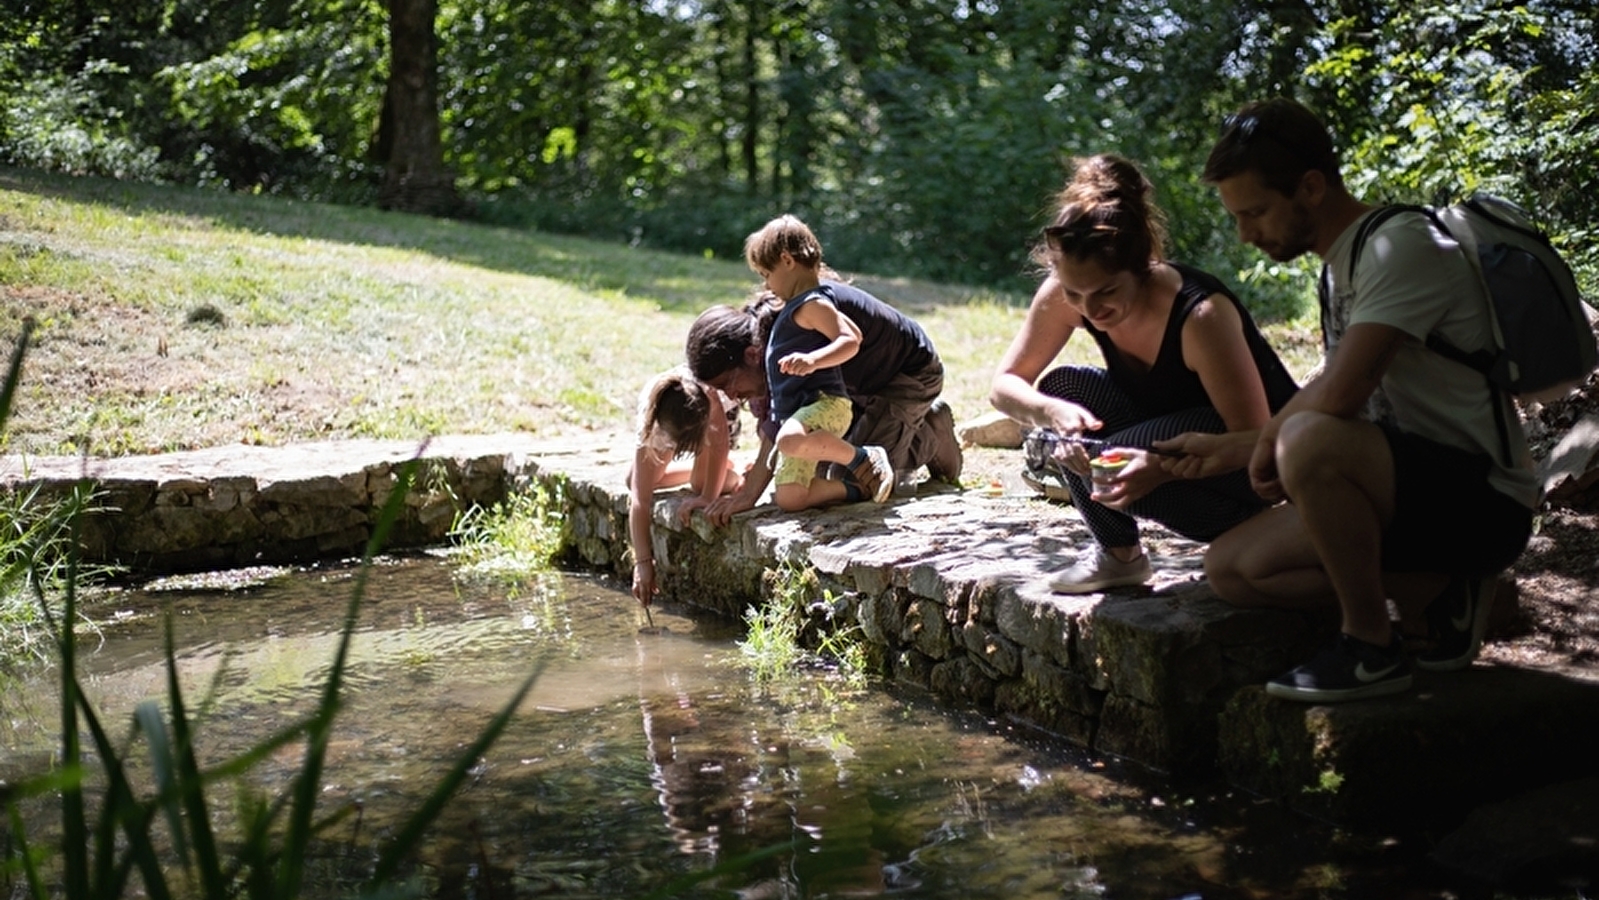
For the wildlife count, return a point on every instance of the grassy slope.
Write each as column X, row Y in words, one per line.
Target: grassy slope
column 342, row 322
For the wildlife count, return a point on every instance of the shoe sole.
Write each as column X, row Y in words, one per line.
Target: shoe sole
column 1055, row 492
column 1339, row 695
column 1479, row 630
column 1096, row 586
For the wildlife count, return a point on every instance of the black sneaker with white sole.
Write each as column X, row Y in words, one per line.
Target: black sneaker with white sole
column 1350, row 669
column 1457, row 619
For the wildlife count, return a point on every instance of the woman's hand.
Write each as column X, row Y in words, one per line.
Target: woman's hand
column 1070, row 420
column 1067, row 419
column 1141, row 475
column 1071, row 454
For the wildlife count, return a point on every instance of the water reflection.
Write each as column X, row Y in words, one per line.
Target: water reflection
column 643, row 758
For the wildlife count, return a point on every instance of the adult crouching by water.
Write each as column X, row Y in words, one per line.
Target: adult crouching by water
column 1181, row 355
column 893, row 381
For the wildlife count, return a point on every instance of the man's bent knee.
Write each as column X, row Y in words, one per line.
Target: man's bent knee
column 1309, row 436
column 1318, row 445
column 1226, row 577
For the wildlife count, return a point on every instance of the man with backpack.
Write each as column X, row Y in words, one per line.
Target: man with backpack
column 1406, row 474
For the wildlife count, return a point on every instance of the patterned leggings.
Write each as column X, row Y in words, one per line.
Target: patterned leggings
column 1199, row 509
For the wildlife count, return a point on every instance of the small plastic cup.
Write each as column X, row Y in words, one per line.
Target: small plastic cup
column 1105, row 466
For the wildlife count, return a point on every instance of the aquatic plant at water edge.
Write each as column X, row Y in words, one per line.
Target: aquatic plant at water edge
column 776, row 633
column 35, row 544
column 164, row 829
column 517, row 537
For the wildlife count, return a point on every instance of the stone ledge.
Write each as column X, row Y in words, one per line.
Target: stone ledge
column 243, row 505
column 1420, row 760
column 947, row 588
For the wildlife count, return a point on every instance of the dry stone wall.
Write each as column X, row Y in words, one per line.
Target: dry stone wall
column 244, row 505
column 948, row 588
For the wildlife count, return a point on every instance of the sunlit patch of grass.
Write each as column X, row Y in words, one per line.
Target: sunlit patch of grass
column 1298, row 344
column 509, row 541
column 591, row 404
column 438, row 326
column 380, row 421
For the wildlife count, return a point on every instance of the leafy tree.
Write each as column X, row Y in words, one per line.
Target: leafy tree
column 288, row 102
column 1476, row 97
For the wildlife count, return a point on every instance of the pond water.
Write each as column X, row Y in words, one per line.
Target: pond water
column 641, row 758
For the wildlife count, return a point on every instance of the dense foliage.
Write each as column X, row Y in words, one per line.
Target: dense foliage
column 920, row 137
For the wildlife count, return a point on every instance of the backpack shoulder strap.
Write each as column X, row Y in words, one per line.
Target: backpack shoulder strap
column 1479, row 360
column 1381, row 215
column 1489, row 207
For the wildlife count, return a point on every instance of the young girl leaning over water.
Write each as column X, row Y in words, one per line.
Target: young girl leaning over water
column 686, row 431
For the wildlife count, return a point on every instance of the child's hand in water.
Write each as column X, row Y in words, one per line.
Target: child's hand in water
column 797, row 364
column 644, row 586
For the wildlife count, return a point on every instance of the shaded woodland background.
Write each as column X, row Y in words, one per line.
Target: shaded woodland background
column 920, row 138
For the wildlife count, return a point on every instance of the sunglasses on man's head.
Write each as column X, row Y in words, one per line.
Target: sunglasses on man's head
column 1245, row 124
column 1248, row 126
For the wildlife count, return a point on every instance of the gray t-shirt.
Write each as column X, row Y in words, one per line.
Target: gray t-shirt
column 1415, row 279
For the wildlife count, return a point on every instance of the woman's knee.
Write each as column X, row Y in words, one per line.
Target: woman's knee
column 1226, row 578
column 1074, row 383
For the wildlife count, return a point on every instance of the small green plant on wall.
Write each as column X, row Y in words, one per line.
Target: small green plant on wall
column 1328, row 782
column 774, row 642
column 517, row 537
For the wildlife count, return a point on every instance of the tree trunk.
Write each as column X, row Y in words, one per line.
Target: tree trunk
column 415, row 179
column 752, row 100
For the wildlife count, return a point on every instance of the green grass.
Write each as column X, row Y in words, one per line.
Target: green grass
column 349, row 322
column 35, row 558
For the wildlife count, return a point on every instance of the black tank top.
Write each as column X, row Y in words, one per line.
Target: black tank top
column 790, row 393
column 1169, row 385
